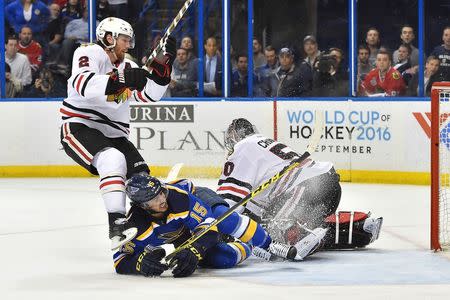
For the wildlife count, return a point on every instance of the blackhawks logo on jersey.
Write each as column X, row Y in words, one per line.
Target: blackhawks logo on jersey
column 396, row 75
column 121, row 96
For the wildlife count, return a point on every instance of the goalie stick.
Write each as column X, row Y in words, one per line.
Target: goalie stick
column 314, row 141
column 169, row 30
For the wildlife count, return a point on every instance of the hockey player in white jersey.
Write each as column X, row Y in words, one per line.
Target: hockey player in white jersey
column 306, row 197
column 95, row 113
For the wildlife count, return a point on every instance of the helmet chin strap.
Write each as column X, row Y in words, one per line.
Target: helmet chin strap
column 110, row 48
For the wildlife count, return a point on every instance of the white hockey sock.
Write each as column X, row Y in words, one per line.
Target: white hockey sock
column 114, row 202
column 112, row 168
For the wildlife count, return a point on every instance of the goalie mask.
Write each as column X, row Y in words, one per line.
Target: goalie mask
column 116, row 27
column 237, row 131
column 142, row 188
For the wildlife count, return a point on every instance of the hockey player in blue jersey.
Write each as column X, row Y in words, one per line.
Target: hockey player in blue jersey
column 170, row 214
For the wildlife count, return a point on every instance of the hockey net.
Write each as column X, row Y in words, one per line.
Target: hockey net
column 440, row 166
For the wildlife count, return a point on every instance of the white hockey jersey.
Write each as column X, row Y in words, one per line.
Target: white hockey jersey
column 86, row 101
column 256, row 159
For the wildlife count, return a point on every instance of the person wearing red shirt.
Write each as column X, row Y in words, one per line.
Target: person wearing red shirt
column 384, row 80
column 30, row 48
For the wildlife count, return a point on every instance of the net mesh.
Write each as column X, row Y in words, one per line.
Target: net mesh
column 444, row 167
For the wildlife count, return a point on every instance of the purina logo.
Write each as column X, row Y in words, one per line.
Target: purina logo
column 162, row 113
column 424, row 120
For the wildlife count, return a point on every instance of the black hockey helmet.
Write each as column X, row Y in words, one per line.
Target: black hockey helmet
column 141, row 188
column 237, row 131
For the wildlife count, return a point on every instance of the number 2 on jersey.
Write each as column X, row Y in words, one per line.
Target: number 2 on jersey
column 83, row 61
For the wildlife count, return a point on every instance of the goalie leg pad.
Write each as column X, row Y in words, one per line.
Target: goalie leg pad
column 351, row 229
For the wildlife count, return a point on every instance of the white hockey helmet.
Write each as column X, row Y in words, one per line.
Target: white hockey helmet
column 238, row 130
column 115, row 26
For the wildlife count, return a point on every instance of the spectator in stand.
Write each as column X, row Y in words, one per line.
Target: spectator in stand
column 403, row 58
column 239, row 78
column 213, row 68
column 186, row 43
column 326, row 81
column 259, row 59
column 403, row 65
column 287, row 81
column 341, row 68
column 443, row 53
column 71, row 11
column 20, row 66
column 384, row 80
column 430, row 75
column 373, row 42
column 54, row 32
column 184, row 76
column 30, row 48
column 263, row 73
column 103, row 10
column 32, row 13
column 364, row 66
column 76, row 33
column 306, row 67
column 407, row 36
column 311, row 49
column 46, row 86
column 13, row 86
column 119, row 8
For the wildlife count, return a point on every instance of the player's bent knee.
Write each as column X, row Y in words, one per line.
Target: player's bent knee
column 112, row 168
column 227, row 255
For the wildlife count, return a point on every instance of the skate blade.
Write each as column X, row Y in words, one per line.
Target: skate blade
column 309, row 244
column 117, row 241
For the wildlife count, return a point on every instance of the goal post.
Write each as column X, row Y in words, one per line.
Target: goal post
column 440, row 165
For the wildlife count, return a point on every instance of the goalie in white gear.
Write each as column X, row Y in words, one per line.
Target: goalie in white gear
column 305, row 197
column 95, row 113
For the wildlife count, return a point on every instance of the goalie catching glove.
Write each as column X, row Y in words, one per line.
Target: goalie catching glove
column 160, row 67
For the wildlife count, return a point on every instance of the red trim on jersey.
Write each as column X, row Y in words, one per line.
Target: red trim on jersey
column 111, row 182
column 233, row 189
column 140, row 96
column 78, row 83
column 71, row 114
column 67, row 137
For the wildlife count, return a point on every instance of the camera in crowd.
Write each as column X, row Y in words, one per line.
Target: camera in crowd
column 326, row 63
column 46, row 77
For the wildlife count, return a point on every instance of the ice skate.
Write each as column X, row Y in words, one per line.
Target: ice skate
column 120, row 230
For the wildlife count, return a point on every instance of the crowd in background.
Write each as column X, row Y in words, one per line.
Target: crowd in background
column 41, row 36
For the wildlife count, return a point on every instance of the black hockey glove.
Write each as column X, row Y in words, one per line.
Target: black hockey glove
column 161, row 65
column 149, row 262
column 132, row 78
column 186, row 261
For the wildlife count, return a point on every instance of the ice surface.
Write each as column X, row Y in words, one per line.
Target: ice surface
column 54, row 245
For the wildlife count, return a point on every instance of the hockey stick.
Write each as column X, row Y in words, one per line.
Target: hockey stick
column 174, row 171
column 314, row 141
column 169, row 30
